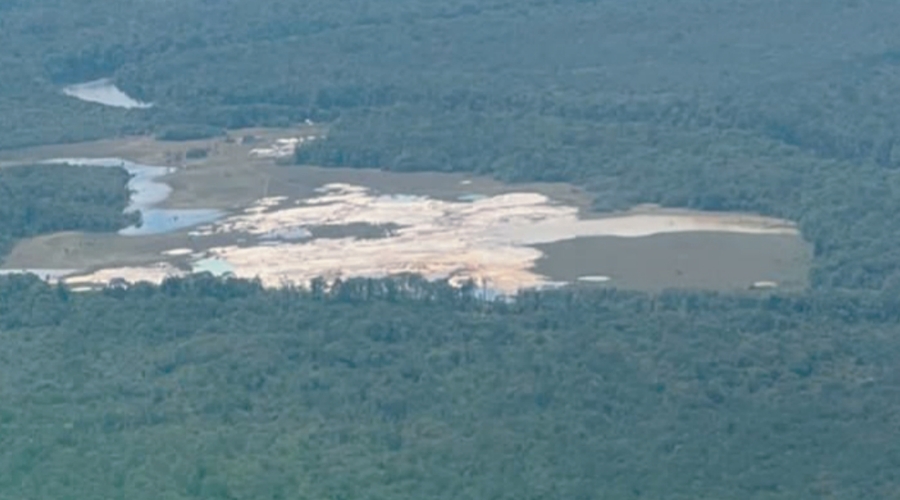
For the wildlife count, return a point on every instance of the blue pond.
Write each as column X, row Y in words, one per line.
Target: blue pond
column 105, row 92
column 214, row 266
column 162, row 220
column 146, row 192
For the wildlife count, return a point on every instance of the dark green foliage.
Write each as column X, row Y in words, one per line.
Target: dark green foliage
column 196, row 153
column 400, row 389
column 188, row 132
column 41, row 199
column 748, row 106
column 844, row 209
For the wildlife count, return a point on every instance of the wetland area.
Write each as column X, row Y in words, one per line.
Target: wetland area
column 239, row 210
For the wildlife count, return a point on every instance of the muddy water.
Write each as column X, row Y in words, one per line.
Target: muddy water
column 284, row 224
column 680, row 260
column 640, row 253
column 510, row 237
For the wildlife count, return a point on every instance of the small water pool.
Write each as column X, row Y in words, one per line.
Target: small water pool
column 104, row 92
column 146, row 192
column 212, row 265
column 163, row 220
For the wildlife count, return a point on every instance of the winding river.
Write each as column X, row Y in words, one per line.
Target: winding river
column 147, row 191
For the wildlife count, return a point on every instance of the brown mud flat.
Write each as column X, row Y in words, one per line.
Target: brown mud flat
column 718, row 261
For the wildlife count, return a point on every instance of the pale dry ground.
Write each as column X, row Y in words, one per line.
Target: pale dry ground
column 489, row 240
column 151, row 274
column 178, row 252
column 72, row 250
column 228, row 179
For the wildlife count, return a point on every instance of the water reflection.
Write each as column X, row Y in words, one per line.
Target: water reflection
column 214, row 266
column 146, row 192
column 160, row 221
column 105, row 92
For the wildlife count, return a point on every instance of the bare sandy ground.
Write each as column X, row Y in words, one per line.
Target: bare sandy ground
column 488, row 240
column 441, row 225
column 151, row 274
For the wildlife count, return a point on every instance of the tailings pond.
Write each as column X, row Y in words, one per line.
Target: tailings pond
column 231, row 214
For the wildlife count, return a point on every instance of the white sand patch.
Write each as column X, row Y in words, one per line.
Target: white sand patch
column 486, row 239
column 265, row 204
column 152, row 274
column 298, row 263
column 177, row 252
column 594, row 279
column 281, row 148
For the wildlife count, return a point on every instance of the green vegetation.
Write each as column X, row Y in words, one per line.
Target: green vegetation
column 389, row 389
column 404, row 390
column 845, row 210
column 42, row 199
column 749, row 106
column 196, row 153
column 188, row 133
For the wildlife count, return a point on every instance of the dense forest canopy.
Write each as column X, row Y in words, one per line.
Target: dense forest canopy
column 401, row 389
column 753, row 105
column 43, row 199
column 204, row 388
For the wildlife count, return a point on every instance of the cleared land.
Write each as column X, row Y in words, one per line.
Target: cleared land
column 373, row 223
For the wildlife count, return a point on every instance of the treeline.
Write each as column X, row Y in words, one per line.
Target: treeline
column 639, row 103
column 631, row 155
column 42, row 199
column 188, row 133
column 229, row 65
column 204, row 388
column 394, row 389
